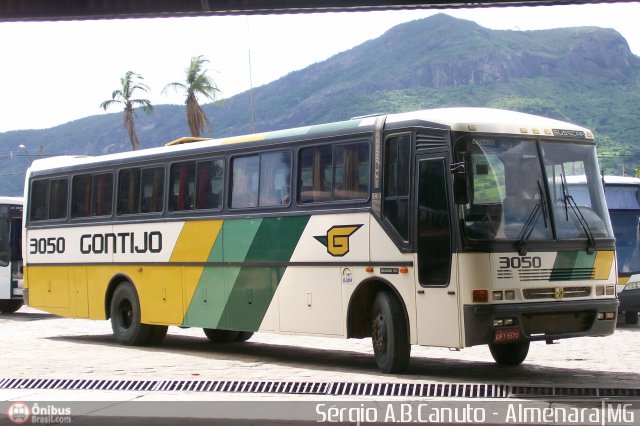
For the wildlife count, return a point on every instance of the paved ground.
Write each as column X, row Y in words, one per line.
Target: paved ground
column 39, row 345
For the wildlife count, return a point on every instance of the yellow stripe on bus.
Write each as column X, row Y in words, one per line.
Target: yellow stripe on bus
column 604, row 260
column 196, row 240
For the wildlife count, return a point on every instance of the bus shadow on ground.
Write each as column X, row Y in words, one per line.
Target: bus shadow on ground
column 27, row 316
column 629, row 327
column 421, row 368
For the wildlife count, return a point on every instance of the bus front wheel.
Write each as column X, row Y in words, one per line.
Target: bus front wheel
column 10, row 306
column 389, row 334
column 509, row 353
column 125, row 317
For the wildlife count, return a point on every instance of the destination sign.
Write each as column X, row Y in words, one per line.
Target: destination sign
column 569, row 133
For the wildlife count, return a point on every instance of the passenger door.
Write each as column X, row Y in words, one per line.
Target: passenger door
column 438, row 318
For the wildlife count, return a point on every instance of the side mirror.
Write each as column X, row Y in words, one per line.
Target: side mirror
column 460, row 193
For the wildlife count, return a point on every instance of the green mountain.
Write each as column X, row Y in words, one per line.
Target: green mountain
column 585, row 75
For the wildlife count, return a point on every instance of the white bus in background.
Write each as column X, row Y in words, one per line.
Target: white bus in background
column 623, row 201
column 10, row 254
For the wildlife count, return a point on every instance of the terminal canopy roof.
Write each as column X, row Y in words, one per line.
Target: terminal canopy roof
column 46, row 10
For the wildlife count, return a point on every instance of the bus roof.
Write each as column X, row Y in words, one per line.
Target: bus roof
column 485, row 120
column 11, row 200
column 490, row 120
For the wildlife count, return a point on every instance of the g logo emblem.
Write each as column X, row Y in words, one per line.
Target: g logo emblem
column 337, row 239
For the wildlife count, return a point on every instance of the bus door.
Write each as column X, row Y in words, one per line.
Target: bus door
column 438, row 318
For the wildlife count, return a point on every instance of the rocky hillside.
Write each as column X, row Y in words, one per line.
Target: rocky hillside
column 585, row 75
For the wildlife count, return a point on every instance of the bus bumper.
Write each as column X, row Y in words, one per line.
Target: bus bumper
column 506, row 323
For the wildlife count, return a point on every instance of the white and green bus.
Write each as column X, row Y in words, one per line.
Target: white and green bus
column 10, row 254
column 447, row 227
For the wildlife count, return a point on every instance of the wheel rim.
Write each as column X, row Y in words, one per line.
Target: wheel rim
column 379, row 333
column 125, row 314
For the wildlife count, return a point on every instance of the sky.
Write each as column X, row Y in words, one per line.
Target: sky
column 55, row 72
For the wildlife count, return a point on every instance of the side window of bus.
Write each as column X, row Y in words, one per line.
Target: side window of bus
column 396, row 183
column 244, row 181
column 209, row 184
column 39, row 200
column 261, row 180
column 81, row 196
column 59, row 191
column 129, row 191
column 91, row 195
column 316, row 174
column 102, row 197
column 182, row 186
column 339, row 172
column 275, row 175
column 351, row 177
column 152, row 190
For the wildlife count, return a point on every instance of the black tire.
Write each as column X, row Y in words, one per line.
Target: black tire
column 10, row 306
column 389, row 334
column 125, row 317
column 220, row 336
column 631, row 317
column 510, row 354
column 157, row 334
column 243, row 336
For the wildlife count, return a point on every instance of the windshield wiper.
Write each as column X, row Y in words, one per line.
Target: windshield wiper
column 530, row 223
column 570, row 203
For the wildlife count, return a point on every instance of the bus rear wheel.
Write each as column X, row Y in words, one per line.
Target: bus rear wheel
column 389, row 334
column 10, row 306
column 243, row 336
column 221, row 336
column 125, row 317
column 510, row 354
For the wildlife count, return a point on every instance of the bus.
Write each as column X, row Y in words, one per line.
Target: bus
column 446, row 227
column 10, row 254
column 623, row 201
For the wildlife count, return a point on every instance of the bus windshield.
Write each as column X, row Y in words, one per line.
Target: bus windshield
column 518, row 191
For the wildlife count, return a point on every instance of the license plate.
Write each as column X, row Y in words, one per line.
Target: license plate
column 507, row 335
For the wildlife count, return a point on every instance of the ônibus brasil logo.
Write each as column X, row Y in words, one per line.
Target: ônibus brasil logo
column 19, row 413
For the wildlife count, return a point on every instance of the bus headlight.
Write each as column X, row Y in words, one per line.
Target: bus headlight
column 510, row 295
column 606, row 315
column 497, row 295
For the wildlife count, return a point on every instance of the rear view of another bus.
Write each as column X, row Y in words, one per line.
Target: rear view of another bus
column 623, row 201
column 10, row 254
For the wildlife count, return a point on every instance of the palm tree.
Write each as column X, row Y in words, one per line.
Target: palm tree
column 129, row 83
column 197, row 83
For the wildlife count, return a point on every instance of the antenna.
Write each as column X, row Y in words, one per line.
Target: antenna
column 253, row 122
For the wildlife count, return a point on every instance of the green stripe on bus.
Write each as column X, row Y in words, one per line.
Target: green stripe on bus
column 573, row 265
column 238, row 297
column 254, row 287
column 208, row 302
